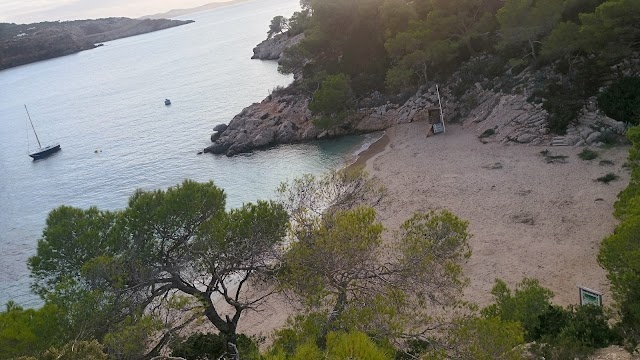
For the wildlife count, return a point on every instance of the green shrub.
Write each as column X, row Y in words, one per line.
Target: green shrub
column 525, row 305
column 587, row 154
column 588, row 324
column 562, row 349
column 29, row 332
column 558, row 333
column 487, row 133
column 563, row 104
column 572, row 333
column 621, row 101
column 211, row 346
column 334, row 96
column 564, row 99
column 608, row 178
column 550, row 322
column 487, row 339
column 76, row 350
column 609, row 138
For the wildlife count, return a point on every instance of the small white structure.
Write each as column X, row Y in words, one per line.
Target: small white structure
column 437, row 126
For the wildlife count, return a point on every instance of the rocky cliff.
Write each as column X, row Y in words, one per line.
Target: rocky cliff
column 26, row 43
column 273, row 48
column 500, row 109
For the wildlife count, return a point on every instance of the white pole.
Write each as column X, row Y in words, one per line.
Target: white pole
column 441, row 114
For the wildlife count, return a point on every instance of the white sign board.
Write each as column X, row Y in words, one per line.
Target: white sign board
column 590, row 297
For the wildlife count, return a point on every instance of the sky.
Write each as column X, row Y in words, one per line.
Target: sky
column 29, row 11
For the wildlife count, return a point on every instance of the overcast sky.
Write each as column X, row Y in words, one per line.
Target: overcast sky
column 28, row 11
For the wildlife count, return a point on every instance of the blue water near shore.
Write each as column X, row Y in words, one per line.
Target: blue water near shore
column 111, row 99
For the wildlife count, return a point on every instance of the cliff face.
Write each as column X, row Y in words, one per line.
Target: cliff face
column 27, row 43
column 272, row 49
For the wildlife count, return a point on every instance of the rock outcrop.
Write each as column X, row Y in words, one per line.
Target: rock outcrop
column 498, row 110
column 279, row 119
column 285, row 119
column 273, row 48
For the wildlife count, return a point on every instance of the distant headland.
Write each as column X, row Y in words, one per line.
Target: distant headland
column 180, row 12
column 22, row 44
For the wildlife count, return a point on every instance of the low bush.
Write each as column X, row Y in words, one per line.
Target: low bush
column 621, row 101
column 608, row 178
column 573, row 333
column 609, row 138
column 487, row 133
column 587, row 154
column 559, row 333
column 212, row 346
column 565, row 96
column 563, row 104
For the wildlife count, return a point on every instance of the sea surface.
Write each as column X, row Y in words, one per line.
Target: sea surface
column 106, row 108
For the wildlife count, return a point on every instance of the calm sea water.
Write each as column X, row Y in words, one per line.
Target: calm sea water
column 111, row 99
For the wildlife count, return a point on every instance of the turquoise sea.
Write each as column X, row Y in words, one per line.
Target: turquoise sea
column 106, row 108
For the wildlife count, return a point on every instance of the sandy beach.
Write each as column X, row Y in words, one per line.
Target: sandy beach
column 527, row 217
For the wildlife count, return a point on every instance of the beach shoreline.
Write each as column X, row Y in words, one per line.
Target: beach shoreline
column 376, row 148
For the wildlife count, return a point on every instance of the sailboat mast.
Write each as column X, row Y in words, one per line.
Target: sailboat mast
column 34, row 129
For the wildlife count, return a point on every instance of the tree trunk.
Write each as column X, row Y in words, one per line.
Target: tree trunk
column 341, row 304
column 533, row 50
column 231, row 339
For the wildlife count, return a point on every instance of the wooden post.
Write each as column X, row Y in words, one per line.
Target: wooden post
column 444, row 129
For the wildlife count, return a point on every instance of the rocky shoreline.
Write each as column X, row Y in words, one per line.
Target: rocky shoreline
column 497, row 110
column 273, row 48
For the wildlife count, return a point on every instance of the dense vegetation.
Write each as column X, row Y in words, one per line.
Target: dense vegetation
column 123, row 285
column 621, row 101
column 620, row 252
column 398, row 45
column 126, row 284
column 130, row 280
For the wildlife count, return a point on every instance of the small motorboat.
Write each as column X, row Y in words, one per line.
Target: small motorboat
column 167, row 102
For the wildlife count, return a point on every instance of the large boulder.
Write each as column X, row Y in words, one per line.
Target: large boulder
column 525, row 138
column 286, row 132
column 264, row 138
column 215, row 136
column 594, row 137
column 220, row 127
column 217, row 148
column 237, row 122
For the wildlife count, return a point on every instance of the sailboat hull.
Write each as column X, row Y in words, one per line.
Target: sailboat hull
column 45, row 151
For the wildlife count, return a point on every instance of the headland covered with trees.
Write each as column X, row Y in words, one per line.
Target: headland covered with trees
column 134, row 283
column 26, row 43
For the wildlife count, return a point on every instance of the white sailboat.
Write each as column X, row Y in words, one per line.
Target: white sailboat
column 41, row 152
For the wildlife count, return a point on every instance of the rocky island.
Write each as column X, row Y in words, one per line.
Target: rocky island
column 26, row 43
